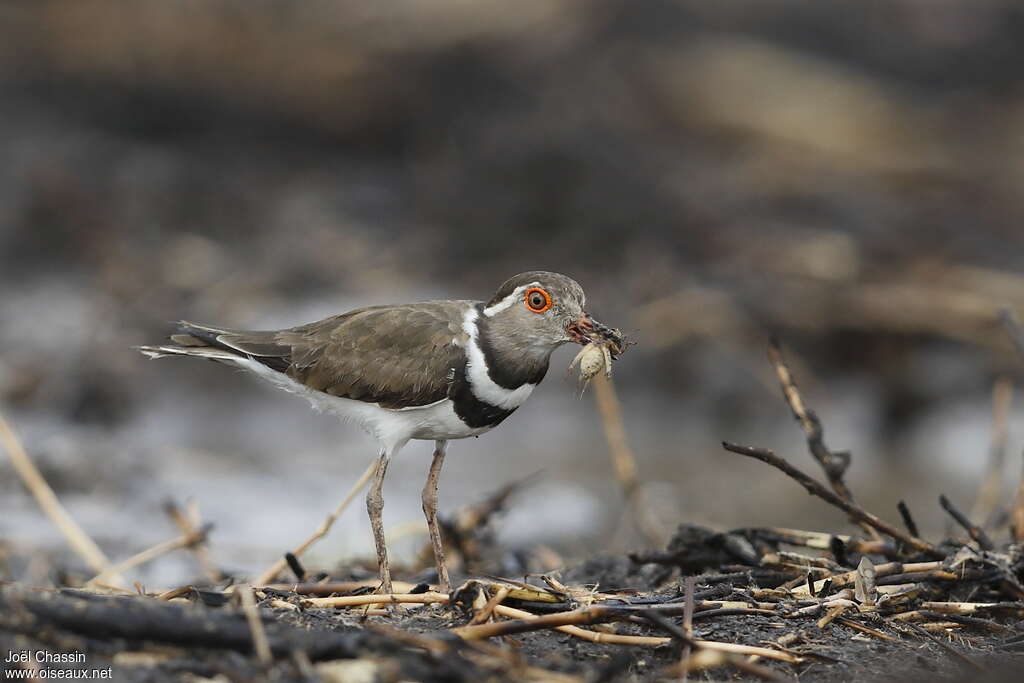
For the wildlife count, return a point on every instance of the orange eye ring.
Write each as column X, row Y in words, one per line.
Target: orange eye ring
column 537, row 300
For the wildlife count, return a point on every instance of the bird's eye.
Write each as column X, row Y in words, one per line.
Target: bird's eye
column 537, row 300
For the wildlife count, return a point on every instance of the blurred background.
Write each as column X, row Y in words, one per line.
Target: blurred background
column 846, row 176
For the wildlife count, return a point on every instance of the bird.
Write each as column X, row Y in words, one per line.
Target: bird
column 433, row 370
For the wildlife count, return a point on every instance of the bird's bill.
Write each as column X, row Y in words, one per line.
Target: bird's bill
column 586, row 330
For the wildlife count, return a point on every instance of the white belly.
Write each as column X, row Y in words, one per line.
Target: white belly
column 391, row 427
column 438, row 421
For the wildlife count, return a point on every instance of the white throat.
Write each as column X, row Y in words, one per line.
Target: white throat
column 485, row 388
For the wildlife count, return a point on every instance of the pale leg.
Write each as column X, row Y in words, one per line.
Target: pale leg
column 430, row 512
column 375, row 506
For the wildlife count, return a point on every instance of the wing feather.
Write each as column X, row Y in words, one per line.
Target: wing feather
column 394, row 356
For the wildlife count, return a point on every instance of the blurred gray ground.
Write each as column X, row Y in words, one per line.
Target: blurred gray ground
column 846, row 176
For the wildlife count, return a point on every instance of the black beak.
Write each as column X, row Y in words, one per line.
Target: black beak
column 586, row 330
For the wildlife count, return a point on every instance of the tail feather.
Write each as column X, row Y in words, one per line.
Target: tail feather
column 202, row 341
column 194, row 351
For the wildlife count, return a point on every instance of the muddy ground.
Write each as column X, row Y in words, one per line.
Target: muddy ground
column 202, row 634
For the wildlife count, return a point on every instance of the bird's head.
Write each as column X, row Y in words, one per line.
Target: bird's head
column 539, row 311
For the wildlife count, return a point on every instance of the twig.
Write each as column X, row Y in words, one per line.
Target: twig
column 946, row 646
column 908, row 520
column 1013, row 328
column 990, row 491
column 564, row 621
column 1016, row 334
column 976, row 532
column 969, row 621
column 376, row 598
column 669, row 627
column 591, row 614
column 296, row 566
column 189, row 524
column 259, row 637
column 1017, row 513
column 523, row 621
column 713, row 659
column 882, row 570
column 305, row 667
column 686, row 638
column 833, row 463
column 821, row 540
column 434, row 646
column 816, row 489
column 637, row 640
column 833, row 612
column 865, row 629
column 623, row 459
column 321, row 531
column 485, row 613
column 149, row 554
column 326, row 589
column 965, row 608
column 730, row 611
column 939, row 626
column 175, row 593
column 47, row 500
column 689, row 588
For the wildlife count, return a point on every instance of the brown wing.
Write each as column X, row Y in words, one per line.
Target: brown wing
column 395, row 356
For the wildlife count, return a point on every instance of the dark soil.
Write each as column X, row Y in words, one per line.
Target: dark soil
column 203, row 635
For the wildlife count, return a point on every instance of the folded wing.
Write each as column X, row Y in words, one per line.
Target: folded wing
column 394, row 356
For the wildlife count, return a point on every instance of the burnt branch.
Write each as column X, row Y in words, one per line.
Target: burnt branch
column 816, row 489
column 908, row 519
column 976, row 532
column 833, row 463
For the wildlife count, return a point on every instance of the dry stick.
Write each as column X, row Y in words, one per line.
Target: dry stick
column 865, row 629
column 881, row 570
column 79, row 541
column 833, row 464
column 946, row 646
column 1016, row 334
column 966, row 608
column 485, row 613
column 189, row 524
column 623, row 458
column 148, row 555
column 525, row 621
column 429, row 597
column 1017, row 514
column 689, row 588
column 705, row 660
column 976, row 532
column 816, row 489
column 970, row 621
column 990, row 491
column 833, row 612
column 325, row 589
column 823, row 541
column 908, row 520
column 259, row 636
column 1013, row 329
column 593, row 612
column 688, row 642
column 325, row 526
